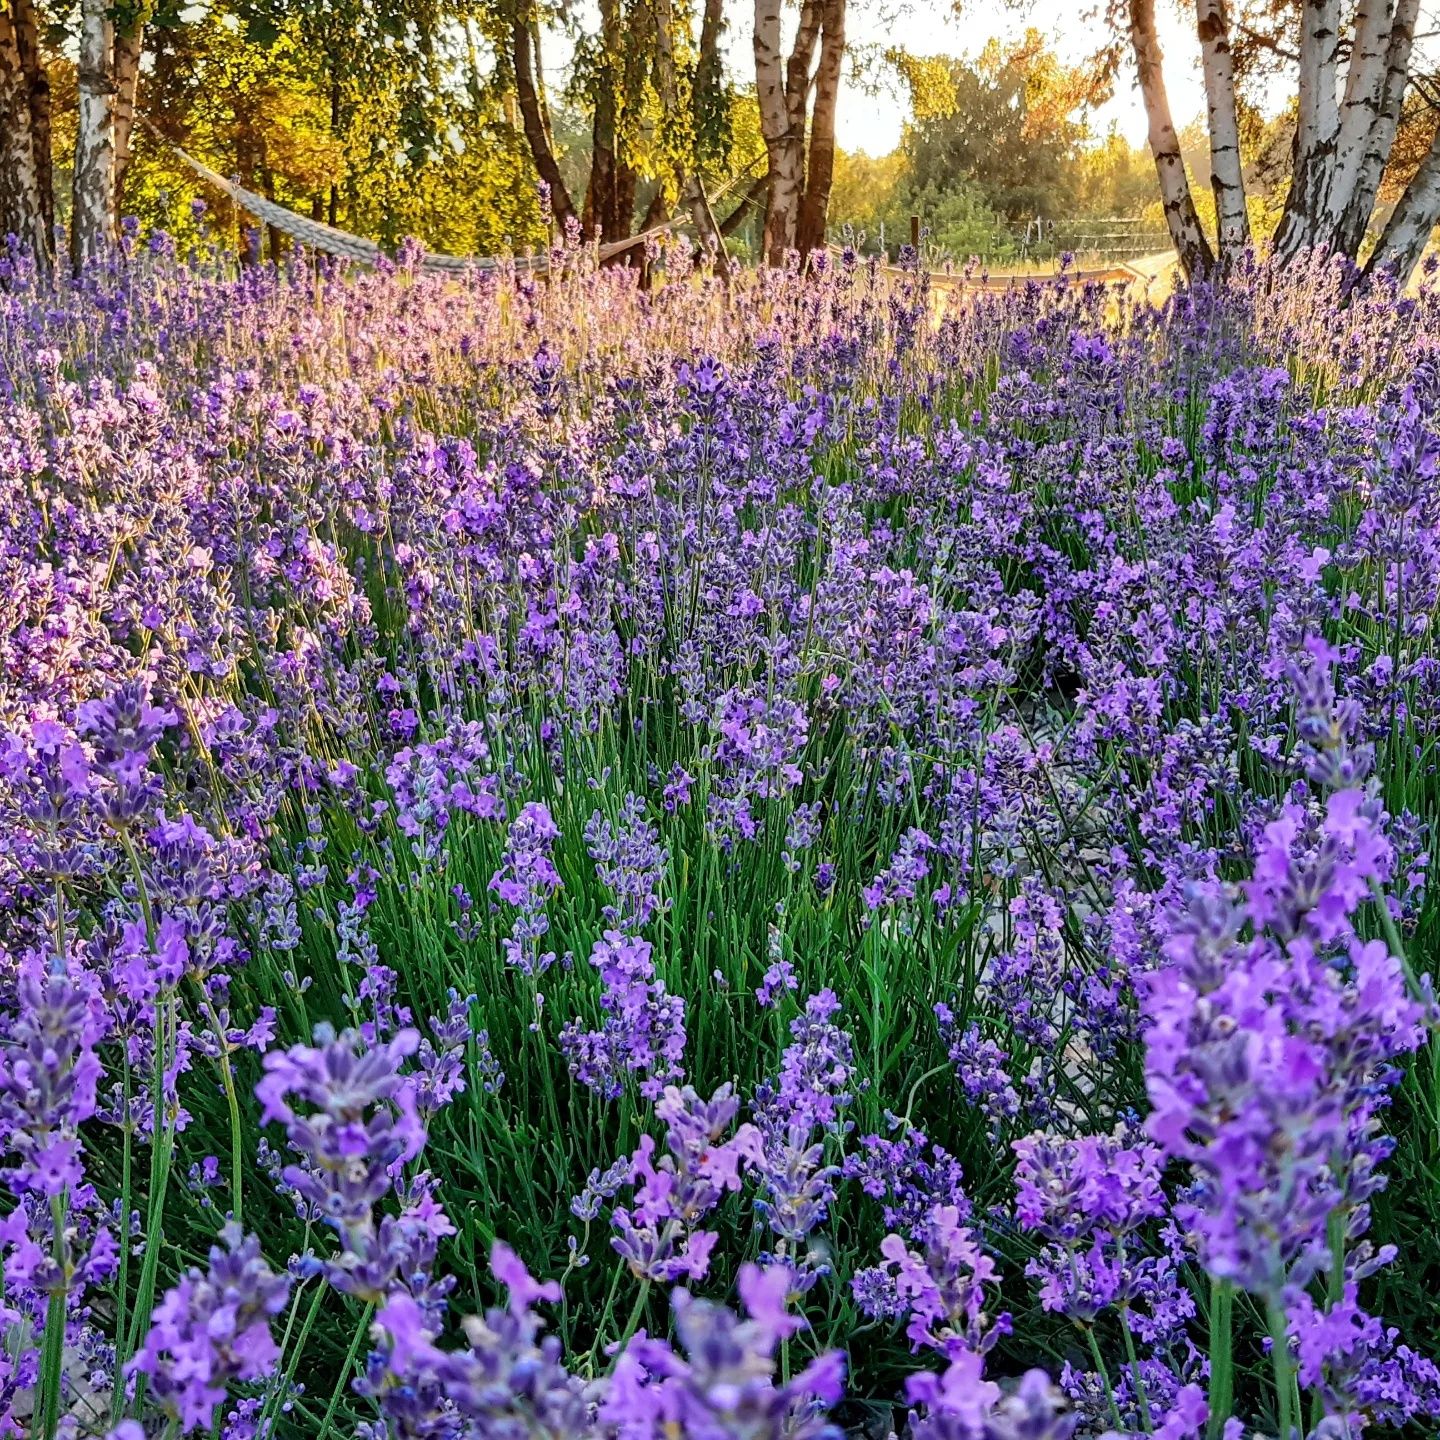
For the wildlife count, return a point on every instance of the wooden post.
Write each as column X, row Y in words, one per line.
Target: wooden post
column 915, row 237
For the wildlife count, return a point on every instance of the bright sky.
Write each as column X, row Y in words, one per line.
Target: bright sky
column 872, row 121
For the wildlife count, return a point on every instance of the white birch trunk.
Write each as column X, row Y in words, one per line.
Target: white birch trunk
column 1317, row 126
column 1364, row 88
column 92, row 222
column 1227, row 175
column 21, row 211
column 1184, row 224
column 785, row 176
column 1412, row 221
column 1360, row 203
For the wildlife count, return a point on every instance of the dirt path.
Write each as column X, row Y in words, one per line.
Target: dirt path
column 1154, row 272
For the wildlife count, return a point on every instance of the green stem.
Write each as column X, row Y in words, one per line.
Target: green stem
column 1334, row 1289
column 227, row 1080
column 162, row 1148
column 52, row 1351
column 633, row 1323
column 1280, row 1359
column 60, row 941
column 1103, row 1373
column 915, row 1089
column 1393, row 940
column 276, row 1397
column 1141, row 1396
column 144, row 895
column 122, row 1279
column 345, row 1369
column 1222, row 1363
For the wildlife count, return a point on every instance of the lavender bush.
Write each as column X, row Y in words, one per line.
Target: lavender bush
column 588, row 862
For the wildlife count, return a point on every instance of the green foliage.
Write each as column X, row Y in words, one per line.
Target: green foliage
column 387, row 137
column 875, row 199
column 995, row 143
column 1006, row 121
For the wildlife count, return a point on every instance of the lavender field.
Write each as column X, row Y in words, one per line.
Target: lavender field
column 578, row 861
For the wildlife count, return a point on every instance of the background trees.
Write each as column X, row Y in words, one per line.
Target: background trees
column 430, row 117
column 485, row 125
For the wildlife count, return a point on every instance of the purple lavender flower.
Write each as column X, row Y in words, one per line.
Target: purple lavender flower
column 49, row 1071
column 350, row 1147
column 908, row 1182
column 440, row 1057
column 907, row 871
column 643, row 1033
column 124, row 728
column 1068, row 1190
column 724, row 1382
column 630, row 862
column 980, row 1068
column 212, row 1328
column 779, row 977
column 509, row 1381
column 960, row 1405
column 656, row 1234
column 816, row 1070
column 941, row 1284
column 527, row 878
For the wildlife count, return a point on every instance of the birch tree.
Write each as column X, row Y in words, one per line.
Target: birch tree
column 535, row 121
column 21, row 212
column 801, row 166
column 93, row 211
column 1353, row 68
column 1227, row 179
column 129, row 31
column 108, row 55
column 1186, row 231
column 782, row 156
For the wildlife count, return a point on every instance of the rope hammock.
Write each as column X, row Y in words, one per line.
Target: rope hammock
column 316, row 235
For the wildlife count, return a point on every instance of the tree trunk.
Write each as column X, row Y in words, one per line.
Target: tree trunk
column 27, row 33
column 128, row 45
column 621, row 74
column 1227, row 175
column 1360, row 108
column 1317, row 127
column 1360, row 204
column 92, row 223
column 820, row 169
column 1408, row 230
column 798, row 83
column 798, row 79
column 272, row 234
column 21, row 211
column 752, row 197
column 537, row 135
column 782, row 157
column 1180, row 216
column 610, row 197
column 332, row 214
